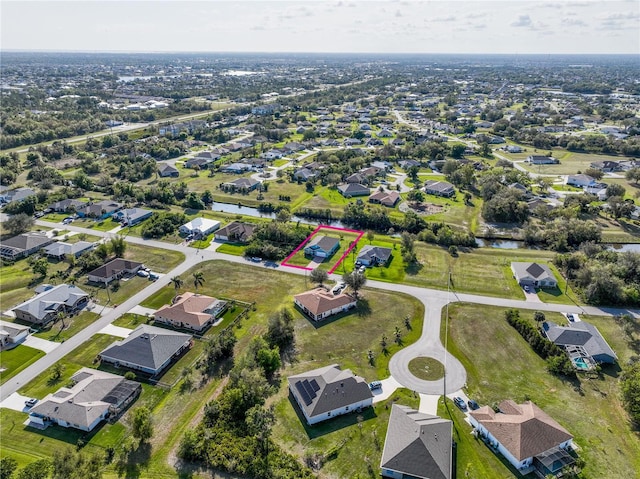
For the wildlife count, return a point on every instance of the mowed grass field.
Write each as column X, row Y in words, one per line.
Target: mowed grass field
column 14, row 360
column 501, row 365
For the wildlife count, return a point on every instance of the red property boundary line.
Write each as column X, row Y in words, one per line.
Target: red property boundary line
column 320, row 227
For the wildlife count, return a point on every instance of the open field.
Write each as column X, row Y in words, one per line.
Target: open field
column 14, row 360
column 570, row 162
column 501, row 365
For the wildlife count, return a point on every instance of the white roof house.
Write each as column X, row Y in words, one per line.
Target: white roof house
column 200, row 226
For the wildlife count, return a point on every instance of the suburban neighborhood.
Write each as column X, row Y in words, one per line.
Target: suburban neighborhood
column 253, row 266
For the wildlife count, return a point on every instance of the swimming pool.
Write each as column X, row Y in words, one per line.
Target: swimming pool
column 581, row 363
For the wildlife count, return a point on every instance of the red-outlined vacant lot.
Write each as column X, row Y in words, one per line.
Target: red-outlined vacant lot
column 318, row 229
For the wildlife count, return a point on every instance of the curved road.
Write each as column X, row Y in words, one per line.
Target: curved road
column 428, row 345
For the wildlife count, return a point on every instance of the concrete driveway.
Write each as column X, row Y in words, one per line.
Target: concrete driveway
column 41, row 344
column 15, row 402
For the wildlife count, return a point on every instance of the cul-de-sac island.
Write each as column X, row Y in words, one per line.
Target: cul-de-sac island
column 298, row 266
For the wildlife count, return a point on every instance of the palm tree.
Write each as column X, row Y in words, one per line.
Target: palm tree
column 198, row 279
column 398, row 335
column 60, row 317
column 177, row 282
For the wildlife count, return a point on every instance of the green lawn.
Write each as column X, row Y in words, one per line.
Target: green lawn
column 165, row 295
column 570, row 162
column 353, row 441
column 345, row 241
column 72, row 325
column 428, row 369
column 501, row 365
column 130, row 320
column 16, row 359
column 231, row 248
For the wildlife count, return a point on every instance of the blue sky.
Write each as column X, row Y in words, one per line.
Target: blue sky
column 480, row 26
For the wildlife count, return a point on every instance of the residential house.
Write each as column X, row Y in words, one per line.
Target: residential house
column 240, row 184
column 95, row 396
column 350, row 190
column 534, row 275
column 371, row 171
column 542, row 160
column 374, row 256
column 521, row 188
column 606, row 166
column 329, row 392
column 384, row 133
column 581, row 340
column 439, row 188
column 304, row 174
column 12, row 334
column 514, row 149
column 132, row 216
column 319, row 303
column 191, row 311
column 525, row 435
column 99, row 210
column 200, row 227
column 114, row 269
column 148, row 349
column 23, row 245
column 272, row 154
column 385, row 197
column 237, row 232
column 60, row 250
column 417, row 446
column 352, row 141
column 355, row 178
column 406, row 164
column 580, row 180
column 51, row 300
column 598, row 189
column 201, row 163
column 292, row 147
column 210, row 156
column 165, row 170
column 236, row 168
column 321, row 246
column 66, row 206
column 18, row 194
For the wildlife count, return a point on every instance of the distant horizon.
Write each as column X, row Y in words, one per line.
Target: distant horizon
column 345, row 53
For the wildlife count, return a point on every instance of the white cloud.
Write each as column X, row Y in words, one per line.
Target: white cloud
column 573, row 22
column 523, row 21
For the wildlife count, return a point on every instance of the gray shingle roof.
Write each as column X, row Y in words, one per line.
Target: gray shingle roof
column 147, row 346
column 369, row 252
column 579, row 333
column 60, row 248
column 534, row 271
column 418, row 444
column 26, row 241
column 327, row 389
column 325, row 243
column 51, row 300
column 114, row 267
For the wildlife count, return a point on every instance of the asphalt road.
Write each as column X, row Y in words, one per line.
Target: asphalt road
column 428, row 345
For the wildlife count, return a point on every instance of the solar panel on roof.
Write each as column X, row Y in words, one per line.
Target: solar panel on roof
column 309, row 389
column 314, row 385
column 303, row 393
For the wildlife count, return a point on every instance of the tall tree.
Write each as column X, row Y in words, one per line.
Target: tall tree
column 19, row 223
column 177, row 282
column 198, row 279
column 142, row 424
column 319, row 276
column 355, row 281
column 118, row 246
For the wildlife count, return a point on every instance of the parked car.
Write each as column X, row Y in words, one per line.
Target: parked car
column 338, row 287
column 142, row 273
column 473, row 405
column 527, row 289
column 30, row 402
column 153, row 276
column 460, row 403
column 67, row 221
column 362, row 269
column 39, row 214
column 375, row 385
column 256, row 259
column 571, row 317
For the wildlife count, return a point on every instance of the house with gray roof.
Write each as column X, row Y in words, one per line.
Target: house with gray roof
column 23, row 245
column 166, row 170
column 18, row 194
column 11, row 334
column 353, row 189
column 534, row 275
column 580, row 339
column 236, row 231
column 304, row 174
column 236, row 168
column 132, row 216
column 240, row 184
column 66, row 206
column 148, row 349
column 60, row 250
column 95, row 396
column 418, row 446
column 45, row 306
column 114, row 269
column 321, row 246
column 328, row 392
column 99, row 210
column 439, row 188
column 371, row 255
